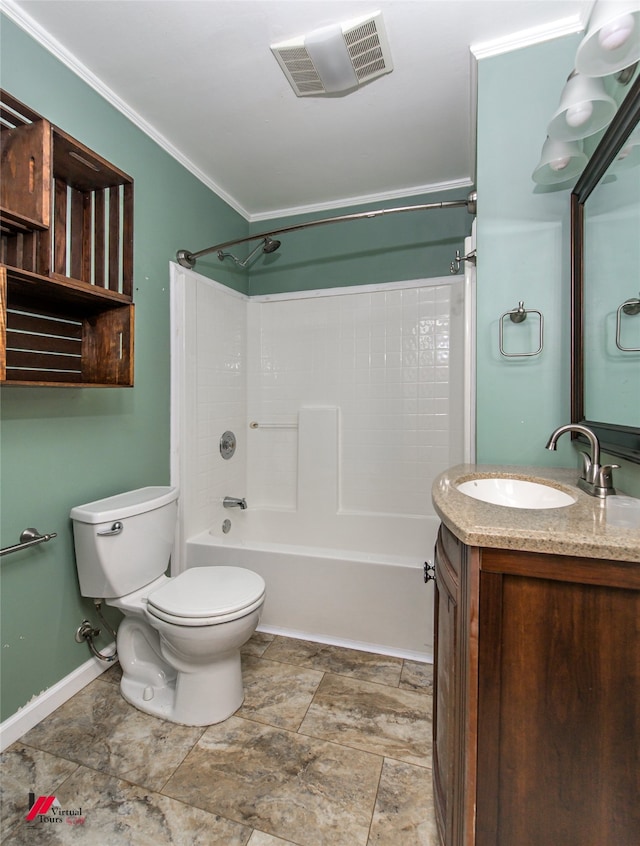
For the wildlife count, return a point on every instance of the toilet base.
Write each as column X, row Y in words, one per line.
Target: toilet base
column 209, row 694
column 185, row 699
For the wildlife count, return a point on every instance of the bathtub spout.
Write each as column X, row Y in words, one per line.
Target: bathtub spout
column 234, row 502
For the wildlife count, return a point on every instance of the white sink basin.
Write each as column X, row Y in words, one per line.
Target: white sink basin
column 515, row 493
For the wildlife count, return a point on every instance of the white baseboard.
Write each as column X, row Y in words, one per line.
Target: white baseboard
column 378, row 649
column 46, row 702
column 25, row 718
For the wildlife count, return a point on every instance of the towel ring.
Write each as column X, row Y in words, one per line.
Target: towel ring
column 519, row 315
column 630, row 307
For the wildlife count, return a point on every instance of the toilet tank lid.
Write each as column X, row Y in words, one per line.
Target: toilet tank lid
column 124, row 505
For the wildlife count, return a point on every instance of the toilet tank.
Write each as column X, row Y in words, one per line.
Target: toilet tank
column 113, row 561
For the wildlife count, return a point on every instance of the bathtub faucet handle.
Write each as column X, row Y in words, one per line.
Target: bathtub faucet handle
column 234, row 502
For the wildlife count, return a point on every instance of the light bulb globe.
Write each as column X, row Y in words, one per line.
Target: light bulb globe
column 615, row 34
column 560, row 163
column 579, row 114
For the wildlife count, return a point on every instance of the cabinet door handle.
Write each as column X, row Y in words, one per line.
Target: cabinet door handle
column 429, row 571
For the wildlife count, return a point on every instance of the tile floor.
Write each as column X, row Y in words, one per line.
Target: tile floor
column 332, row 747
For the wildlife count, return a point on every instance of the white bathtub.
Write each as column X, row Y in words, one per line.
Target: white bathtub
column 351, row 596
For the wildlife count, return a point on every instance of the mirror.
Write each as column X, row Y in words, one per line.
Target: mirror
column 605, row 281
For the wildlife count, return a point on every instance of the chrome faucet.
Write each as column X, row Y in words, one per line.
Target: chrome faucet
column 234, row 502
column 595, row 480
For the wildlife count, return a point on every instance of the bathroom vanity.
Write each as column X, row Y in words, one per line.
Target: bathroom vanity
column 537, row 677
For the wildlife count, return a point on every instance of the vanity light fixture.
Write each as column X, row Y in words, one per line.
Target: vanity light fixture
column 612, row 42
column 585, row 108
column 611, row 48
column 560, row 161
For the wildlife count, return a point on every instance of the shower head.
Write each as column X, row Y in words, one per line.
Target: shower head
column 268, row 245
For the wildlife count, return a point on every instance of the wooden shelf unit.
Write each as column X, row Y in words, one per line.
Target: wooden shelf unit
column 66, row 258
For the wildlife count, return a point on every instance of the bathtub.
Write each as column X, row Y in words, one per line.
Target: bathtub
column 344, row 594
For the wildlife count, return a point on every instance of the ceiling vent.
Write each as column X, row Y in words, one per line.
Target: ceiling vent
column 337, row 58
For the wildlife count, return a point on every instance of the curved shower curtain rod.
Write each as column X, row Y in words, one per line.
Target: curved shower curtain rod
column 188, row 259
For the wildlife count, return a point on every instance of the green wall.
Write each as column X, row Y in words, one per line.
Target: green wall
column 390, row 248
column 62, row 447
column 523, row 254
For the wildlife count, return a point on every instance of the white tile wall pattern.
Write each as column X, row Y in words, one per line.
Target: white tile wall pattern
column 382, row 357
column 215, row 339
column 377, row 369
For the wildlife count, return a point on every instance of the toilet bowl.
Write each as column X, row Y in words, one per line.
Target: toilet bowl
column 179, row 642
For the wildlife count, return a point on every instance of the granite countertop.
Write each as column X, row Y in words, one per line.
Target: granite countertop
column 580, row 529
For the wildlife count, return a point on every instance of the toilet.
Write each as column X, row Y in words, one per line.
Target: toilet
column 179, row 642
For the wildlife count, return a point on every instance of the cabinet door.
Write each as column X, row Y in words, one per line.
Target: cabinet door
column 446, row 718
column 560, row 702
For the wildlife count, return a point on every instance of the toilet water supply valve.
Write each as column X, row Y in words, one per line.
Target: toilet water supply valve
column 86, row 632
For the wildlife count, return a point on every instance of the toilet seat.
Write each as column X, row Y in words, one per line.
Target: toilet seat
column 207, row 596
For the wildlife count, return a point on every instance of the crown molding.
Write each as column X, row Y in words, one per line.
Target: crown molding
column 516, row 41
column 529, row 37
column 46, row 40
column 381, row 197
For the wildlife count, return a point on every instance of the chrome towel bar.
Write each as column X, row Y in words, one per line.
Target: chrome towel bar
column 29, row 537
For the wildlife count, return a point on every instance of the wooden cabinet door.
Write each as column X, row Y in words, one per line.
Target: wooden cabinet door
column 559, row 738
column 444, row 710
column 446, row 718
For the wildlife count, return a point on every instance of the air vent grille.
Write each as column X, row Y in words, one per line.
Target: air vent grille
column 360, row 32
column 303, row 75
column 367, row 48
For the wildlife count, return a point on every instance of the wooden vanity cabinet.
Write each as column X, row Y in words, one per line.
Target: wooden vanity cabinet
column 454, row 694
column 536, row 699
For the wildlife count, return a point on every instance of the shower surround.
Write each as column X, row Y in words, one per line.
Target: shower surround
column 346, row 403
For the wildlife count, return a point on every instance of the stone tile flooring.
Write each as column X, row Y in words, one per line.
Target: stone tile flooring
column 331, row 747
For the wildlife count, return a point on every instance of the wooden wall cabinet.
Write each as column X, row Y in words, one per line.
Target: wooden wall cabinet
column 66, row 258
column 537, row 698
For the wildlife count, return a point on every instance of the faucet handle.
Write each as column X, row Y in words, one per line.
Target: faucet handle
column 586, row 464
column 605, row 477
